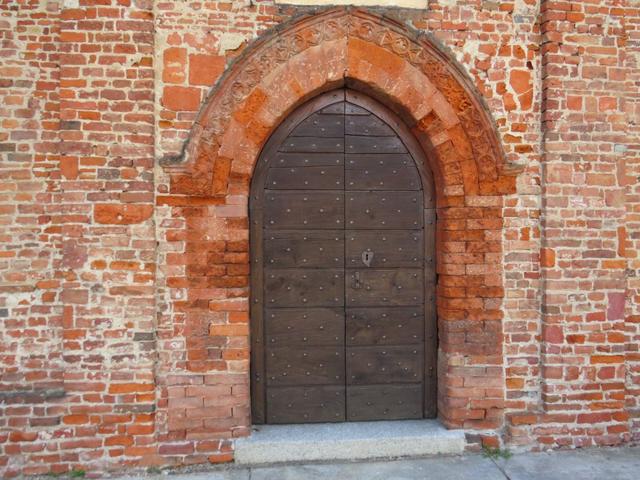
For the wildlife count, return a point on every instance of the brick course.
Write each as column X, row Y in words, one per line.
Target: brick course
column 129, row 133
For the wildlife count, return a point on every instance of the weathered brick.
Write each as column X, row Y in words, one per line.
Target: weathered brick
column 205, row 69
column 181, row 98
column 119, row 214
column 174, row 65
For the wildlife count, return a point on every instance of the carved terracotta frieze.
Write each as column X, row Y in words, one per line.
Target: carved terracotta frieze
column 277, row 48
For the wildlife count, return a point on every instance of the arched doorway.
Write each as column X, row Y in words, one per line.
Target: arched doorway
column 209, row 188
column 342, row 215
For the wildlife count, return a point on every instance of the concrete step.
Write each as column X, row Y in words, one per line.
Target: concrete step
column 270, row 444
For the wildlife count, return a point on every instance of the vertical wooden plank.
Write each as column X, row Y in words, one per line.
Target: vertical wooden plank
column 256, row 312
column 344, row 264
column 384, row 381
column 256, row 235
column 430, row 316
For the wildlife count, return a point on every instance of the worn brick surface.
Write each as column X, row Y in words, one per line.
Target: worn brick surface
column 628, row 236
column 129, row 130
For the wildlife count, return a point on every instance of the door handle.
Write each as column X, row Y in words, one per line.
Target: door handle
column 356, row 280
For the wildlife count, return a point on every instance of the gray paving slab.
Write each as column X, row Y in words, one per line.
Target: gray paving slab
column 587, row 464
column 443, row 468
column 224, row 473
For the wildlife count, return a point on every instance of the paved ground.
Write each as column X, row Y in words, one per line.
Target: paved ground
column 592, row 464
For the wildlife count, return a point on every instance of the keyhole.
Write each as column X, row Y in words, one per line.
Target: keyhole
column 367, row 257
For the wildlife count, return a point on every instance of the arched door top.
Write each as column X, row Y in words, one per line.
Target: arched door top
column 371, row 105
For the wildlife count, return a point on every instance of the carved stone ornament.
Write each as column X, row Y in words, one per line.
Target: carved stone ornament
column 276, row 48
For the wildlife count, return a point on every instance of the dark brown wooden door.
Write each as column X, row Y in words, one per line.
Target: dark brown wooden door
column 342, row 291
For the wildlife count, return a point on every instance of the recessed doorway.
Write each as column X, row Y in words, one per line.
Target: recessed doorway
column 343, row 316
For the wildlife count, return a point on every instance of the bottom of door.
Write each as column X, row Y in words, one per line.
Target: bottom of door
column 353, row 403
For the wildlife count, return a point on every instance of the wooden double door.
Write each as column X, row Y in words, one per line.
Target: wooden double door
column 343, row 314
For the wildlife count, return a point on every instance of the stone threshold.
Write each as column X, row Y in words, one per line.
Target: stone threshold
column 269, row 444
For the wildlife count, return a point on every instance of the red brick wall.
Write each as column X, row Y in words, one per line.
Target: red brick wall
column 583, row 227
column 123, row 343
column 107, row 113
column 30, row 353
column 77, row 338
column 31, row 331
column 631, row 108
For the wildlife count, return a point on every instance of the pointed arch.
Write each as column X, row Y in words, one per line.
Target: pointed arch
column 408, row 72
column 412, row 76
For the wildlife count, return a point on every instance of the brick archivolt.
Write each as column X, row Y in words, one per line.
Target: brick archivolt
column 409, row 73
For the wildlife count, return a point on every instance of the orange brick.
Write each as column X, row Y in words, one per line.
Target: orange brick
column 205, row 69
column 174, row 65
column 181, row 98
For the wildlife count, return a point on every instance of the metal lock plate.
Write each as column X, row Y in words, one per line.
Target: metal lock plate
column 367, row 257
